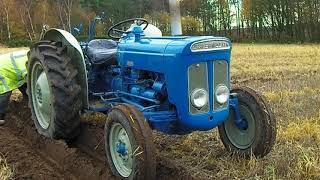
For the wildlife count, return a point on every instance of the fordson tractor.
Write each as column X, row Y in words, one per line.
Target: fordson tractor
column 143, row 82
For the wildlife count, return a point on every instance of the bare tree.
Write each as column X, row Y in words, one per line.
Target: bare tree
column 5, row 5
column 26, row 19
column 21, row 13
column 61, row 13
column 68, row 11
column 28, row 6
column 65, row 11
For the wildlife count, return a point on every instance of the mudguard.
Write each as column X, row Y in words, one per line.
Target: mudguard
column 75, row 52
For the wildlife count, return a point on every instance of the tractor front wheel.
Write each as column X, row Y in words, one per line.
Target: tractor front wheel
column 258, row 136
column 129, row 144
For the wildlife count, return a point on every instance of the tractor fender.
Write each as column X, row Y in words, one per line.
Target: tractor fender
column 75, row 52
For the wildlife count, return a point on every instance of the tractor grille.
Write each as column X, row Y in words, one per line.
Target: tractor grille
column 207, row 75
column 198, row 78
column 220, row 76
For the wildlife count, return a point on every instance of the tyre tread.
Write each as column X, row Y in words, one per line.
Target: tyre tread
column 267, row 137
column 62, row 77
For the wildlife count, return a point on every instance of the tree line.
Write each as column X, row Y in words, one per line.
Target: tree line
column 241, row 20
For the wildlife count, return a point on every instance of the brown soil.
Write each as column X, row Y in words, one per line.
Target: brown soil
column 34, row 157
column 21, row 156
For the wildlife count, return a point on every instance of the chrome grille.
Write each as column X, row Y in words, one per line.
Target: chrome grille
column 198, row 78
column 220, row 76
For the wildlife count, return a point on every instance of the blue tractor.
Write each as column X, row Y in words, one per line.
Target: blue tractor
column 143, row 82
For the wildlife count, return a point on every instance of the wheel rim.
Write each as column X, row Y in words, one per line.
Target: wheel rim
column 121, row 150
column 241, row 138
column 41, row 97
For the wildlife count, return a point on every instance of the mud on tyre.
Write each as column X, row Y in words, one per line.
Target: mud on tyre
column 54, row 93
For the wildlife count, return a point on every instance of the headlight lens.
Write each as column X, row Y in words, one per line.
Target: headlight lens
column 199, row 98
column 222, row 94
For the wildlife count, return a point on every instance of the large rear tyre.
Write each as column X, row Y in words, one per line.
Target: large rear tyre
column 258, row 136
column 54, row 94
column 129, row 144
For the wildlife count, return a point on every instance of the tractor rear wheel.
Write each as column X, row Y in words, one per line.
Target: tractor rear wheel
column 129, row 144
column 54, row 94
column 258, row 137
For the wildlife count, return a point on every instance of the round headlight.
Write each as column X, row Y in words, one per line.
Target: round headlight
column 222, row 94
column 199, row 98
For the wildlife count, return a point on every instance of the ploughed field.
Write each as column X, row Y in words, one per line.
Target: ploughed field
column 287, row 75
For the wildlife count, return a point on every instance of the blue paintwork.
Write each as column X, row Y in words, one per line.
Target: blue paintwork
column 77, row 30
column 92, row 28
column 234, row 104
column 163, row 98
column 121, row 148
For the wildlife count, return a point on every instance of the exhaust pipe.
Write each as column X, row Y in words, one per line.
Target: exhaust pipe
column 176, row 28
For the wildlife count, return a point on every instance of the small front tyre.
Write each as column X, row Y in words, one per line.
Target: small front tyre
column 258, row 136
column 129, row 144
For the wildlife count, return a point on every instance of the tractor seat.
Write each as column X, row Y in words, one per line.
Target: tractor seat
column 102, row 51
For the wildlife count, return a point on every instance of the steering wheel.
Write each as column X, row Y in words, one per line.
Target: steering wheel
column 115, row 28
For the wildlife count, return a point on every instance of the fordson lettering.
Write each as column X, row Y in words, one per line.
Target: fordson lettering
column 210, row 45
